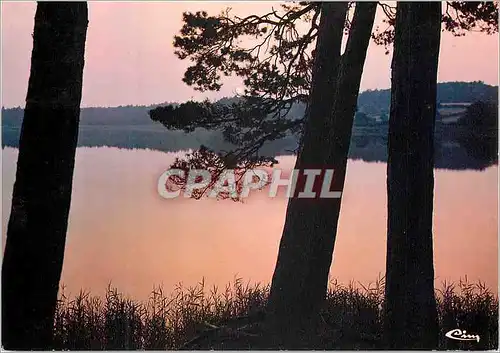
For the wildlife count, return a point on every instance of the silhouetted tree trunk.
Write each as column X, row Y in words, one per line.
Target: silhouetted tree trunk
column 410, row 313
column 301, row 276
column 36, row 232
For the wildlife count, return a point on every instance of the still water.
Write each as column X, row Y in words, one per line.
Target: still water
column 122, row 231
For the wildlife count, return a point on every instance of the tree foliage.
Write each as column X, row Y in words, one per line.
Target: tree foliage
column 272, row 53
column 458, row 17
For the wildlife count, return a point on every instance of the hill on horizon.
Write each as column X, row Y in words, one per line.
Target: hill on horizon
column 130, row 127
column 377, row 99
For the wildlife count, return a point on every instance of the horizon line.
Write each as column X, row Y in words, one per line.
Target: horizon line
column 226, row 97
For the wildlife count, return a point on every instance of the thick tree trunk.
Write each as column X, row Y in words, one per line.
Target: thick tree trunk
column 351, row 70
column 410, row 313
column 41, row 198
column 301, row 276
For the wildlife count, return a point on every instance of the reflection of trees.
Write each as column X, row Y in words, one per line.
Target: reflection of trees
column 477, row 132
column 482, row 147
column 456, row 147
column 363, row 141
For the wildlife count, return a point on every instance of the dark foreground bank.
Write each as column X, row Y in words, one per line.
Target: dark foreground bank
column 201, row 318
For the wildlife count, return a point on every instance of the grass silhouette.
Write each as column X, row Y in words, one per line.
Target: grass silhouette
column 204, row 318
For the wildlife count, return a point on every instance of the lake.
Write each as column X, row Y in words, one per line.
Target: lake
column 122, row 231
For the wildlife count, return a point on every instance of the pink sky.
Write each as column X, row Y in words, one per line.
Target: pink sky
column 130, row 59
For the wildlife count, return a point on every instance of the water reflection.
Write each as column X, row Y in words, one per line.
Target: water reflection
column 120, row 230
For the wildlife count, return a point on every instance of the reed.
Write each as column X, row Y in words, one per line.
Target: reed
column 352, row 316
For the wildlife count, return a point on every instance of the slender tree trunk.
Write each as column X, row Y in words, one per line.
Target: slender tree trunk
column 41, row 198
column 410, row 313
column 301, row 276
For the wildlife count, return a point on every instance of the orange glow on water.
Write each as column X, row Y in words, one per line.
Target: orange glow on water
column 122, row 231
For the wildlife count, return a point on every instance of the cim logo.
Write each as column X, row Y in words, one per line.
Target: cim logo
column 461, row 335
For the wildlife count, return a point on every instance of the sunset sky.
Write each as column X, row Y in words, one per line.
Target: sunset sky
column 130, row 58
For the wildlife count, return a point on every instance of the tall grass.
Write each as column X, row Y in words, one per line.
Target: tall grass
column 351, row 316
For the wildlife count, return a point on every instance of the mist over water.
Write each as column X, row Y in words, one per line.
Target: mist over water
column 122, row 231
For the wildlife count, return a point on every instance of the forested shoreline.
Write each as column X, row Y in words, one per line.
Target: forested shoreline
column 130, row 127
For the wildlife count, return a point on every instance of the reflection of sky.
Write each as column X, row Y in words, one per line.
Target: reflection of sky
column 130, row 59
column 120, row 229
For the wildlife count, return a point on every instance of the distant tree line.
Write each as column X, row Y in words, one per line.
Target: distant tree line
column 130, row 127
column 377, row 102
